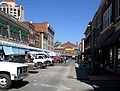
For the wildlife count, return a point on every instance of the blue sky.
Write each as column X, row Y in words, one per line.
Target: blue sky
column 69, row 18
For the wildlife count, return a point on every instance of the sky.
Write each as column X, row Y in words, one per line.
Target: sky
column 69, row 18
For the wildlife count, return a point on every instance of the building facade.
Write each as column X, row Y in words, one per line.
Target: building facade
column 104, row 36
column 10, row 7
column 34, row 37
column 70, row 49
column 12, row 30
column 46, row 35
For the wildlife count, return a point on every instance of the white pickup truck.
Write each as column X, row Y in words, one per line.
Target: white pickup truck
column 10, row 71
column 40, row 61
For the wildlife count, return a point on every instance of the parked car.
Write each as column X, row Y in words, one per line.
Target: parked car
column 56, row 59
column 48, row 58
column 40, row 61
column 10, row 71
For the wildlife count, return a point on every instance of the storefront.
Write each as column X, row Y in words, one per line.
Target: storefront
column 109, row 50
column 14, row 52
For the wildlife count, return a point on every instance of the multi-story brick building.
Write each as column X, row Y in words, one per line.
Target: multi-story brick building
column 34, row 37
column 105, row 40
column 46, row 35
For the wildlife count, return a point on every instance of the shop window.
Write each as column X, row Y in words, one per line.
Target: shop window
column 110, row 62
column 3, row 31
column 118, row 50
column 15, row 33
column 111, row 54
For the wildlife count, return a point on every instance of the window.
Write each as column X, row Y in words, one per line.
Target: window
column 119, row 7
column 107, row 17
column 4, row 9
column 14, row 12
column 10, row 9
column 40, row 57
column 3, row 31
column 110, row 54
column 18, row 12
column 7, row 10
column 118, row 54
column 118, row 57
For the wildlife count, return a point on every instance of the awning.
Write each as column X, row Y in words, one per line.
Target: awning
column 102, row 38
column 7, row 50
column 110, row 38
column 114, row 38
column 13, row 50
column 21, row 51
column 0, row 47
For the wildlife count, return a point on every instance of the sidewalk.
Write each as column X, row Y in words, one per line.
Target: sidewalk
column 72, row 72
column 73, row 84
column 102, row 82
column 105, row 76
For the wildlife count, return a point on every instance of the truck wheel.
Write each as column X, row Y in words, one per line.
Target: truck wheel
column 5, row 81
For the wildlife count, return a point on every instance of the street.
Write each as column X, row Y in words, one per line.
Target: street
column 61, row 77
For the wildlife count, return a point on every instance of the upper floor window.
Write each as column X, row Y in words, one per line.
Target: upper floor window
column 107, row 17
column 4, row 9
column 18, row 12
column 11, row 9
column 119, row 7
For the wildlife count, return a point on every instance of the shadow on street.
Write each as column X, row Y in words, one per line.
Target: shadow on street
column 19, row 84
column 98, row 82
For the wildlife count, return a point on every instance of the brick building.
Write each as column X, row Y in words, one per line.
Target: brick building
column 67, row 48
column 103, row 37
column 46, row 35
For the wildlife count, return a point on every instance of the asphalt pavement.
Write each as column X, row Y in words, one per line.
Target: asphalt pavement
column 61, row 77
